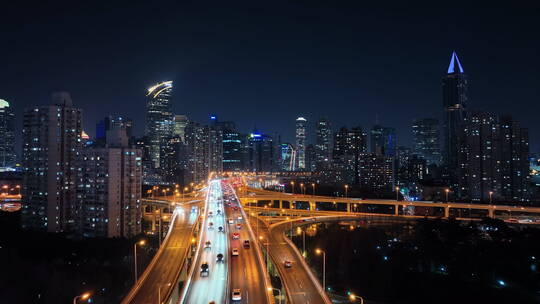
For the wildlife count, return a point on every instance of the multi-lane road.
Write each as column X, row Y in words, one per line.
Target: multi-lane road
column 160, row 275
column 247, row 273
column 211, row 286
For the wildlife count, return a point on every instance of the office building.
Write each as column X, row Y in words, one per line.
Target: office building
column 348, row 145
column 383, row 140
column 7, row 137
column 51, row 144
column 286, row 157
column 261, row 152
column 180, row 123
column 426, row 140
column 324, row 144
column 159, row 118
column 454, row 95
column 301, row 136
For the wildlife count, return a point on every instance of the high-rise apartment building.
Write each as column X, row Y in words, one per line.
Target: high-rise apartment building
column 376, row 172
column 51, row 145
column 159, row 118
column 261, row 152
column 7, row 136
column 301, row 137
column 286, row 156
column 348, row 145
column 323, row 146
column 180, row 123
column 493, row 159
column 232, row 146
column 109, row 189
column 454, row 94
column 426, row 140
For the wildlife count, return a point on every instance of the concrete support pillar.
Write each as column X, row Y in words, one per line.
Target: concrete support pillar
column 349, row 207
column 446, row 212
column 491, row 213
column 396, row 209
column 280, row 204
column 312, row 206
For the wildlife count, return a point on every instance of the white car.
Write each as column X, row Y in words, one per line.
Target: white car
column 235, row 252
column 231, row 221
column 236, row 295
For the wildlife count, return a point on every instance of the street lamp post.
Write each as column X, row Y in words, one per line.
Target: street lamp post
column 83, row 297
column 313, row 185
column 346, row 191
column 490, row 197
column 292, row 186
column 302, row 189
column 140, row 243
column 397, row 193
column 353, row 297
column 159, row 292
column 279, row 292
column 446, row 191
column 319, row 251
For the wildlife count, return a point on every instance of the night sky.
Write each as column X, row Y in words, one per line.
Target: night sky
column 265, row 65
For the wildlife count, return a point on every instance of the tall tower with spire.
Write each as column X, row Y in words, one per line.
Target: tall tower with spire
column 454, row 90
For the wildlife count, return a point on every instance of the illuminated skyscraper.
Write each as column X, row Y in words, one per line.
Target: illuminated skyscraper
column 7, row 136
column 454, row 90
column 383, row 140
column 426, row 140
column 323, row 147
column 159, row 118
column 51, row 146
column 301, row 136
column 261, row 152
column 180, row 123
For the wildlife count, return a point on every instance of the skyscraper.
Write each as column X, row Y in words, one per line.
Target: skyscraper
column 301, row 124
column 180, row 123
column 109, row 189
column 323, row 147
column 454, row 93
column 261, row 152
column 348, row 145
column 51, row 144
column 159, row 118
column 426, row 140
column 286, row 157
column 7, row 136
column 493, row 159
column 383, row 140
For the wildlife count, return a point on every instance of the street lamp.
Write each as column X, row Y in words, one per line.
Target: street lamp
column 159, row 292
column 353, row 297
column 18, row 189
column 346, row 190
column 302, row 188
column 292, row 184
column 397, row 193
column 313, row 185
column 319, row 251
column 279, row 292
column 446, row 191
column 83, row 297
column 140, row 243
column 185, row 189
column 490, row 196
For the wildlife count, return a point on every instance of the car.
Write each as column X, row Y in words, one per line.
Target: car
column 212, row 302
column 236, row 295
column 210, row 214
column 231, row 221
column 220, row 229
column 238, row 226
column 235, row 252
column 207, row 244
column 218, row 212
column 287, row 264
column 235, row 235
column 246, row 243
column 239, row 217
column 235, row 208
column 219, row 257
column 210, row 225
column 204, row 269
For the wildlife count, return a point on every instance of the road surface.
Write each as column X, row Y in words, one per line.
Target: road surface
column 204, row 289
column 247, row 273
column 169, row 262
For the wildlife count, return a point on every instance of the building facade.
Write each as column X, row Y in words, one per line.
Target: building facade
column 301, row 137
column 324, row 144
column 51, row 145
column 7, row 137
column 159, row 118
column 426, row 140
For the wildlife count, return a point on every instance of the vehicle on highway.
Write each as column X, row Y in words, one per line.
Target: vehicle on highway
column 287, row 264
column 239, row 217
column 231, row 221
column 235, row 208
column 212, row 302
column 235, row 252
column 246, row 243
column 238, row 226
column 220, row 229
column 204, row 269
column 218, row 212
column 208, row 244
column 236, row 295
column 235, row 235
column 193, row 209
column 210, row 225
column 210, row 214
column 219, row 257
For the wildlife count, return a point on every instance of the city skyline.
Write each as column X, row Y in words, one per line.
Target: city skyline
column 303, row 82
